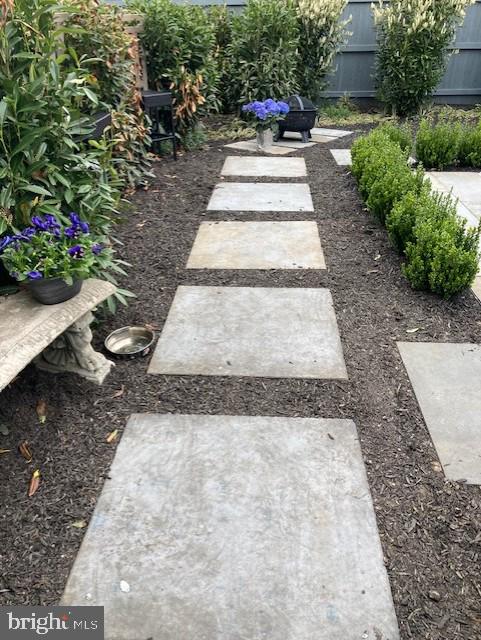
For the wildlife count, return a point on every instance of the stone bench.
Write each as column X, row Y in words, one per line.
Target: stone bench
column 56, row 337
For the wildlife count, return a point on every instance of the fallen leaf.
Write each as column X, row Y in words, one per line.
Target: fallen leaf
column 412, row 330
column 112, row 436
column 119, row 392
column 124, row 586
column 41, row 410
column 4, row 430
column 378, row 257
column 435, row 466
column 25, row 451
column 5, row 451
column 79, row 524
column 34, row 483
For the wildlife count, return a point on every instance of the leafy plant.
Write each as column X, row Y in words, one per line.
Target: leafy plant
column 400, row 133
column 44, row 169
column 443, row 256
column 414, row 40
column 322, row 32
column 179, row 42
column 437, row 145
column 98, row 33
column 263, row 51
column 469, row 152
column 220, row 18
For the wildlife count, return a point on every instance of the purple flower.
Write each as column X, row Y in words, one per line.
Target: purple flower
column 74, row 219
column 76, row 251
column 70, row 232
column 34, row 275
column 283, row 107
column 97, row 248
column 26, row 234
column 4, row 242
column 84, row 227
column 39, row 223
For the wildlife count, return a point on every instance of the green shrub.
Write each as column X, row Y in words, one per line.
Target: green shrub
column 220, row 19
column 362, row 150
column 400, row 133
column 393, row 182
column 437, row 145
column 414, row 206
column 443, row 256
column 469, row 153
column 97, row 32
column 414, row 40
column 43, row 167
column 179, row 42
column 263, row 52
column 322, row 32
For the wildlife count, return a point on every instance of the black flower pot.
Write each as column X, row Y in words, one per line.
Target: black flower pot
column 53, row 290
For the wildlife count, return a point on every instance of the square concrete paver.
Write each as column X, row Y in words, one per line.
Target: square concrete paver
column 257, row 245
column 250, row 331
column 294, row 144
column 446, row 378
column 230, row 528
column 331, row 133
column 261, row 196
column 464, row 185
column 342, row 156
column 251, row 147
column 259, row 166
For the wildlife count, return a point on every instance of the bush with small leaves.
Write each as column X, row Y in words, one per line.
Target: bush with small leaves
column 400, row 133
column 437, row 145
column 416, row 205
column 469, row 153
column 443, row 256
column 391, row 185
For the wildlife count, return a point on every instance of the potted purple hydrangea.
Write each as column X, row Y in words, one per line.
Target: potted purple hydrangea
column 53, row 258
column 265, row 114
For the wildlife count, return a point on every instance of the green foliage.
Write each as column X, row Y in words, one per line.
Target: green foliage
column 437, row 145
column 179, row 42
column 469, row 153
column 322, row 32
column 441, row 254
column 413, row 49
column 220, row 19
column 194, row 138
column 43, row 167
column 400, row 133
column 443, row 257
column 97, row 33
column 263, row 51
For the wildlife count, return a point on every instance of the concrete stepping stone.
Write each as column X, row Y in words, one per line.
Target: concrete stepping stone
column 261, row 196
column 342, row 157
column 294, row 144
column 257, row 245
column 225, row 527
column 447, row 382
column 268, row 167
column 331, row 133
column 464, row 185
column 250, row 331
column 251, row 147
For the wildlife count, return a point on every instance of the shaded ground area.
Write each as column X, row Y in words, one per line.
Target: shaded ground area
column 430, row 528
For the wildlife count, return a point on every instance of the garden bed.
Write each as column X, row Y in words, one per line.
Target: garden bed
column 429, row 527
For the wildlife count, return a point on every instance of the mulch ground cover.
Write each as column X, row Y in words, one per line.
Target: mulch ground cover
column 430, row 528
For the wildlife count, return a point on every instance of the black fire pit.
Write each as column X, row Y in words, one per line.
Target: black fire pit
column 301, row 118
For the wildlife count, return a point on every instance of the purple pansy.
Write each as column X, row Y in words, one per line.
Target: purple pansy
column 97, row 248
column 34, row 275
column 4, row 242
column 76, row 251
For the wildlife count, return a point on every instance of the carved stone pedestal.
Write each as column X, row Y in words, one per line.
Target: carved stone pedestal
column 73, row 352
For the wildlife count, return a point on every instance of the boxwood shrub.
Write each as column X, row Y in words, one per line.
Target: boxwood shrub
column 441, row 253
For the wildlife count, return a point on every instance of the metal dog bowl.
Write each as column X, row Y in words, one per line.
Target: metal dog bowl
column 130, row 342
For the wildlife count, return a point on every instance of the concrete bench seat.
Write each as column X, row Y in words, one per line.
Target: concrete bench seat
column 56, row 337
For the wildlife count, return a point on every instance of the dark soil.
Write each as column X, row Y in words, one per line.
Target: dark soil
column 430, row 528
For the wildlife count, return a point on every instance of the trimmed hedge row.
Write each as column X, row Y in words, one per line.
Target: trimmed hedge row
column 447, row 144
column 441, row 253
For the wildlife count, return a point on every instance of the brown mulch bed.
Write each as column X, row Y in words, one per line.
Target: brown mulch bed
column 430, row 528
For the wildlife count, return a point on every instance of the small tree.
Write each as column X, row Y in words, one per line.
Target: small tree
column 322, row 32
column 413, row 49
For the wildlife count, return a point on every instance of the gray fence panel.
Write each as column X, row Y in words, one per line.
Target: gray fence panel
column 355, row 64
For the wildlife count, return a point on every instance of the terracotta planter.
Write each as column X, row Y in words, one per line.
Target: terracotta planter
column 264, row 139
column 53, row 290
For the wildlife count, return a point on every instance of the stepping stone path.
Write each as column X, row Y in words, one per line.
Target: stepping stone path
column 446, row 380
column 250, row 331
column 291, row 141
column 264, row 167
column 257, row 245
column 244, row 196
column 229, row 527
column 223, row 527
column 342, row 156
